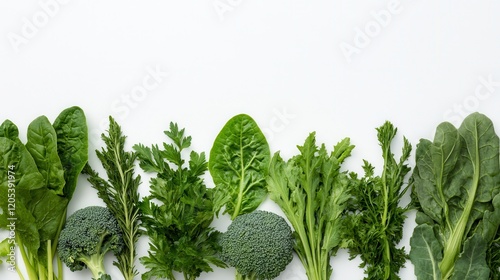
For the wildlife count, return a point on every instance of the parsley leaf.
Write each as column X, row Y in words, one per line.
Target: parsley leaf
column 179, row 210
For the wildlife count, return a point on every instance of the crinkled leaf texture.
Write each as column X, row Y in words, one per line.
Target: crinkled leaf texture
column 454, row 184
column 238, row 163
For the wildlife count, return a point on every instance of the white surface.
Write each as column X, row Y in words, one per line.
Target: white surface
column 282, row 62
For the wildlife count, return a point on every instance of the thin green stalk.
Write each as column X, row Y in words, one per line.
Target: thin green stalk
column 59, row 268
column 50, row 268
column 27, row 262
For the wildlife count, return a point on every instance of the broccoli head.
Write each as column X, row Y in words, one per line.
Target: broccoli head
column 258, row 244
column 88, row 235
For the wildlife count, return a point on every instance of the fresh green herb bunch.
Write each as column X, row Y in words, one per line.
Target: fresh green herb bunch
column 120, row 193
column 313, row 192
column 178, row 212
column 376, row 223
column 258, row 244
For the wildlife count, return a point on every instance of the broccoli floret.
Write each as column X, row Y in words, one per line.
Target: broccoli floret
column 258, row 244
column 88, row 235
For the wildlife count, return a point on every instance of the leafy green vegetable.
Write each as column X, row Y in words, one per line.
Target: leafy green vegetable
column 376, row 225
column 238, row 161
column 42, row 145
column 42, row 191
column 72, row 145
column 313, row 193
column 179, row 231
column 4, row 249
column 456, row 183
column 120, row 193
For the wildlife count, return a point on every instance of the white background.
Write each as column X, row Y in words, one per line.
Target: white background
column 340, row 68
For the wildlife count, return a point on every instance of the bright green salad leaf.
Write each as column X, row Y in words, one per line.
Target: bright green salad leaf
column 313, row 193
column 238, row 162
column 454, row 184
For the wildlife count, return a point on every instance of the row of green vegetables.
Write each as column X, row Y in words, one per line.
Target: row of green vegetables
column 454, row 189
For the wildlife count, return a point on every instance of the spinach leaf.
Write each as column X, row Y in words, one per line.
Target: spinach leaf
column 72, row 145
column 11, row 160
column 9, row 130
column 42, row 145
column 46, row 171
column 9, row 157
column 238, row 162
column 454, row 183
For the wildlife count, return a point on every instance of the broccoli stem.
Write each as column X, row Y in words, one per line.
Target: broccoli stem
column 245, row 277
column 95, row 263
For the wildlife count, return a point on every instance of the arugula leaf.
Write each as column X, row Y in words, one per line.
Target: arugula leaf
column 313, row 193
column 120, row 193
column 179, row 210
column 237, row 163
column 455, row 184
column 376, row 223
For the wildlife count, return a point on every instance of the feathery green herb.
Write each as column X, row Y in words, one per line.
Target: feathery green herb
column 181, row 238
column 120, row 193
column 376, row 223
